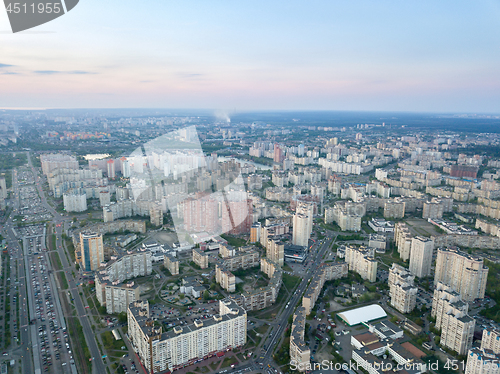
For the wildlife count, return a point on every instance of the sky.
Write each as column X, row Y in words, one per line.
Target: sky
column 383, row 55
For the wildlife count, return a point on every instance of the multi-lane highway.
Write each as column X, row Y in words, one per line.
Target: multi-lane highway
column 264, row 358
column 58, row 222
column 24, row 350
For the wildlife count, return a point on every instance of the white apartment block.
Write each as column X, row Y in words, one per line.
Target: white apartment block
column 402, row 291
column 347, row 215
column 161, row 350
column 300, row 353
column 491, row 340
column 133, row 265
column 275, row 251
column 57, row 161
column 421, row 256
column 433, row 209
column 457, row 328
column 226, row 250
column 361, row 261
column 394, row 209
column 322, row 274
column 302, row 224
column 482, row 361
column 75, row 201
column 464, row 273
column 114, row 295
column 224, row 267
column 402, row 238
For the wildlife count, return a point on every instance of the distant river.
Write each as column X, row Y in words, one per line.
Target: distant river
column 242, row 162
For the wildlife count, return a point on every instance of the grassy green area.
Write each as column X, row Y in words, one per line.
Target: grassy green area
column 76, row 334
column 35, row 160
column 57, row 261
column 235, row 242
column 228, row 361
column 63, row 281
column 262, row 329
column 350, row 237
column 110, row 343
column 290, row 281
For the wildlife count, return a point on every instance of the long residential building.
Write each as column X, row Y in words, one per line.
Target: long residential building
column 457, row 328
column 263, row 297
column 115, row 296
column 361, row 260
column 161, row 350
column 300, row 353
column 402, row 290
column 464, row 273
column 128, row 266
column 225, row 267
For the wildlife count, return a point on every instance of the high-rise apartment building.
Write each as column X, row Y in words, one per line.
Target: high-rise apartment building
column 486, row 359
column 128, row 266
column 302, row 224
column 75, row 201
column 394, row 209
column 3, row 188
column 111, row 169
column 279, row 155
column 200, row 258
column 457, row 328
column 491, row 340
column 300, row 353
column 201, row 214
column 481, row 361
column 433, row 209
column 91, row 250
column 161, row 350
column 421, row 256
column 237, row 216
column 464, row 273
column 156, row 214
column 115, row 296
column 402, row 291
column 361, row 261
column 255, row 232
column 172, row 264
column 57, row 161
column 402, row 238
column 275, row 251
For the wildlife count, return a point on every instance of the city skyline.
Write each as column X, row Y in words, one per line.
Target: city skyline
column 425, row 57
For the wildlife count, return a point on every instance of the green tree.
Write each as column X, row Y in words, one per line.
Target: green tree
column 122, row 317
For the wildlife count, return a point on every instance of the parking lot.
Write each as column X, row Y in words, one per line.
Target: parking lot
column 54, row 349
